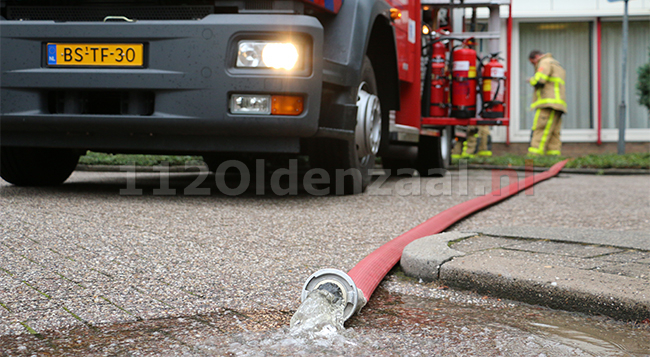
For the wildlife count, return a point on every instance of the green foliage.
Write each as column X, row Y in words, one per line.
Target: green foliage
column 602, row 161
column 96, row 158
column 643, row 85
column 607, row 161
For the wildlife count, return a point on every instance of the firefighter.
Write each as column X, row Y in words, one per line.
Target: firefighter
column 457, row 151
column 478, row 142
column 464, row 147
column 484, row 141
column 549, row 103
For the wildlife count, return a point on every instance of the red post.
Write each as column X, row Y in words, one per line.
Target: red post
column 600, row 100
column 508, row 80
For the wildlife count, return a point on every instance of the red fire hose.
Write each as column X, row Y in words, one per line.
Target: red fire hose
column 370, row 271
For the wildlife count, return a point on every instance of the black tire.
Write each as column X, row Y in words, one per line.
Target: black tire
column 37, row 166
column 397, row 167
column 341, row 155
column 434, row 159
column 400, row 161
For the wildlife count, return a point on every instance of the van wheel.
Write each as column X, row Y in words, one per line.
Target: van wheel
column 37, row 166
column 355, row 158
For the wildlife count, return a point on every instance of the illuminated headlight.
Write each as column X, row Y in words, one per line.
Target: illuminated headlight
column 264, row 54
column 250, row 104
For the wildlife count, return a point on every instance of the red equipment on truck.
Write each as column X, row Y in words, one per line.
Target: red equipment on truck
column 463, row 83
column 439, row 82
column 453, row 95
column 494, row 89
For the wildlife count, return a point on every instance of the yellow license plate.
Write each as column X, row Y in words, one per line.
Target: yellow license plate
column 95, row 54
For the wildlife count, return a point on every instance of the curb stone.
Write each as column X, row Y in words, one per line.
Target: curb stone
column 423, row 258
column 562, row 288
column 533, row 276
column 586, row 171
column 625, row 239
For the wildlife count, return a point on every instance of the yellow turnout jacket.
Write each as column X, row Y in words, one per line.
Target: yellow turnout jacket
column 550, row 91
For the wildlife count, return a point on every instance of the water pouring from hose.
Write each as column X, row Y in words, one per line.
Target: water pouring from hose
column 330, row 296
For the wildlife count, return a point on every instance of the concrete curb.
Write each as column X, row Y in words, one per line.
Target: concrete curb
column 423, row 258
column 621, row 239
column 619, row 297
column 181, row 168
column 556, row 284
column 585, row 171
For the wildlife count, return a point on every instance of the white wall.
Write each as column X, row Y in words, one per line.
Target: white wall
column 572, row 8
column 568, row 8
column 560, row 11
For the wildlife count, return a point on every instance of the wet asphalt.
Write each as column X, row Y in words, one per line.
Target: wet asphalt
column 83, row 255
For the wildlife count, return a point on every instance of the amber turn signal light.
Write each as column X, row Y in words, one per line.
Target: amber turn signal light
column 286, row 105
column 395, row 14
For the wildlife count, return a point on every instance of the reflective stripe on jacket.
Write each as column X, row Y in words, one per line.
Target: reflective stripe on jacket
column 549, row 83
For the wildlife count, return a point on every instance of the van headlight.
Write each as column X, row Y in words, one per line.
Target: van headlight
column 267, row 54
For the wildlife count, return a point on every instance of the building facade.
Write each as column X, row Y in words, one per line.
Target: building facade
column 585, row 36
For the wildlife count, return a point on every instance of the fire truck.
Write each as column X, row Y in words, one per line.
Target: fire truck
column 340, row 82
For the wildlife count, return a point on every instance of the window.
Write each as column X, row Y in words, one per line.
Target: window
column 612, row 62
column 570, row 44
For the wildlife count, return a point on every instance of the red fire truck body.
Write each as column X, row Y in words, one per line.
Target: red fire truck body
column 459, row 83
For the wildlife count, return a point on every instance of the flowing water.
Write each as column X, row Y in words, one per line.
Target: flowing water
column 403, row 318
column 429, row 320
column 442, row 322
column 321, row 314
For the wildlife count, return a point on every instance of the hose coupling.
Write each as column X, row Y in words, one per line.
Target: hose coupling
column 338, row 283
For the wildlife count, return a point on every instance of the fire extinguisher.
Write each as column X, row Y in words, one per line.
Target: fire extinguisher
column 494, row 88
column 439, row 82
column 463, row 85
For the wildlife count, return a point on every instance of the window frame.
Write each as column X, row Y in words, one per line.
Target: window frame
column 518, row 134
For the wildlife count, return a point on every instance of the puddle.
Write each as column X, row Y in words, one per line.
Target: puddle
column 595, row 337
column 402, row 319
column 521, row 329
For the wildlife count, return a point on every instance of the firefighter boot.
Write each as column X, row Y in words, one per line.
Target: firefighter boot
column 457, row 151
column 469, row 146
column 484, row 146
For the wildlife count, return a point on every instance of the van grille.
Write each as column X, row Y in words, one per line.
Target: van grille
column 111, row 102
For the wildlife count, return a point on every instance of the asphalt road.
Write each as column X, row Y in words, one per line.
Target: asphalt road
column 83, row 254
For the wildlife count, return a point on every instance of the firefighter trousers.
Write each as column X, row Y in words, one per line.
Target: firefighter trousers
column 545, row 136
column 484, row 141
column 478, row 142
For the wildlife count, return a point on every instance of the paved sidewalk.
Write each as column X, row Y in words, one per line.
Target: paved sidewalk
column 584, row 270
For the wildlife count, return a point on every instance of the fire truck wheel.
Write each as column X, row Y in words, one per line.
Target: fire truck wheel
column 446, row 146
column 399, row 160
column 37, row 166
column 433, row 155
column 349, row 161
column 397, row 167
